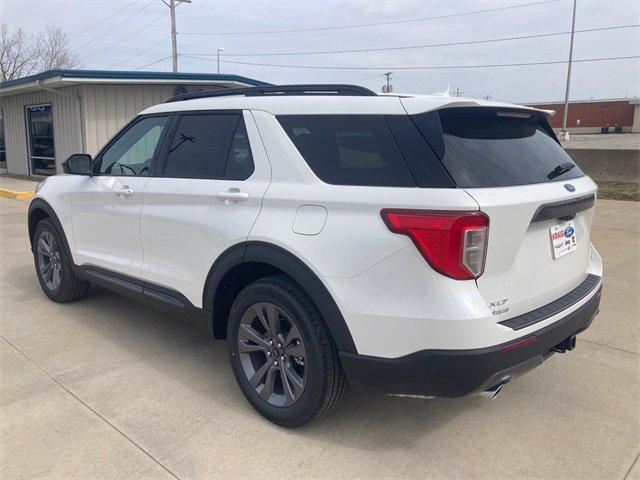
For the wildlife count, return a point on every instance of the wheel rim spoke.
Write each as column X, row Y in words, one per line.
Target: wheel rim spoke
column 273, row 317
column 248, row 334
column 43, row 247
column 269, row 385
column 292, row 384
column 48, row 275
column 56, row 277
column 262, row 317
column 296, row 351
column 256, row 380
column 47, row 268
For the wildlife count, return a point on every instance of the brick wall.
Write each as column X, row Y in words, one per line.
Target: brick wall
column 592, row 114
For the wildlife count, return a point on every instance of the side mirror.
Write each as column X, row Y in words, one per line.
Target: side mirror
column 78, row 164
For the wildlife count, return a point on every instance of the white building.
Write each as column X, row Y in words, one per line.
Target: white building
column 44, row 118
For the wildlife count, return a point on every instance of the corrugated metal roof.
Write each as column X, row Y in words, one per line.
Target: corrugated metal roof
column 113, row 76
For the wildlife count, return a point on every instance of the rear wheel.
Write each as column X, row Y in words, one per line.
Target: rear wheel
column 282, row 356
column 54, row 267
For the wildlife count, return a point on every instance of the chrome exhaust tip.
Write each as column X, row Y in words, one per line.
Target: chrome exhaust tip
column 492, row 392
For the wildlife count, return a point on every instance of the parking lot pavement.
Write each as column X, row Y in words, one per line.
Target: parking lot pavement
column 107, row 388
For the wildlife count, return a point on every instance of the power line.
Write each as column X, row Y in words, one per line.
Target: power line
column 375, row 24
column 127, row 37
column 429, row 67
column 408, row 47
column 114, row 28
column 102, row 21
column 152, row 63
column 138, row 54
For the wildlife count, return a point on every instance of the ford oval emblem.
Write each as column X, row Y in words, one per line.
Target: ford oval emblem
column 569, row 187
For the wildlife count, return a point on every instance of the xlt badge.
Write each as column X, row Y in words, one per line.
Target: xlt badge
column 495, row 307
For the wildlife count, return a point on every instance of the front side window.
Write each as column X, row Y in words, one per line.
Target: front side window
column 209, row 146
column 42, row 153
column 132, row 153
column 348, row 149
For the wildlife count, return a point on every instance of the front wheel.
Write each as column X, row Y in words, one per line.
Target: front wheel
column 54, row 267
column 282, row 355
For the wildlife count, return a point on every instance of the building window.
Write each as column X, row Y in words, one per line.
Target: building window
column 42, row 156
column 3, row 150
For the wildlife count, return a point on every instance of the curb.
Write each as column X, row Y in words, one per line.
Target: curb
column 6, row 193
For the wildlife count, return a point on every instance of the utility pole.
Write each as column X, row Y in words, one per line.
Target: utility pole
column 487, row 97
column 388, row 88
column 459, row 92
column 565, row 134
column 174, row 41
column 219, row 51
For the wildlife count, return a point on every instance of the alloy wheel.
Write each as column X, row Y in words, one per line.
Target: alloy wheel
column 49, row 261
column 272, row 354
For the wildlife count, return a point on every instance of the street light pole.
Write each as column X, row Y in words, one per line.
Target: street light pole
column 565, row 134
column 219, row 50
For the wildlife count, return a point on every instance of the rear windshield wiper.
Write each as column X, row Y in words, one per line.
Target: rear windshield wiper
column 560, row 169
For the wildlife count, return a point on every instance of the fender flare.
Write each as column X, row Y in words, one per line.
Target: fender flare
column 40, row 204
column 285, row 261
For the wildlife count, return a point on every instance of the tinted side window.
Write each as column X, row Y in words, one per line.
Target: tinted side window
column 348, row 149
column 491, row 148
column 132, row 152
column 240, row 160
column 200, row 146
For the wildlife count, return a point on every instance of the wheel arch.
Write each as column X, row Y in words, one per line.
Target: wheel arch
column 39, row 209
column 243, row 263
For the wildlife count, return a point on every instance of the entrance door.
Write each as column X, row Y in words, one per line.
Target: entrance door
column 42, row 155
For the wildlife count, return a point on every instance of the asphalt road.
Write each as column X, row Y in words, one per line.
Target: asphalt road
column 107, row 388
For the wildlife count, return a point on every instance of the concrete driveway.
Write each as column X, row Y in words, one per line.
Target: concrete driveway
column 107, row 388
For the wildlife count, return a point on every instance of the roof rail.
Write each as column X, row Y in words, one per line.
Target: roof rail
column 275, row 90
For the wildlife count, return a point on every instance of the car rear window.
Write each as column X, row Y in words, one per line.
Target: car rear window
column 349, row 149
column 493, row 148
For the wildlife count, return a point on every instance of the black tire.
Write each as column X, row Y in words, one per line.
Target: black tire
column 69, row 287
column 324, row 380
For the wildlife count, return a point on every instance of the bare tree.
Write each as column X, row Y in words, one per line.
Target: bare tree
column 16, row 55
column 53, row 50
column 22, row 54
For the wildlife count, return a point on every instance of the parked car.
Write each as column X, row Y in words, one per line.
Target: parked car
column 400, row 244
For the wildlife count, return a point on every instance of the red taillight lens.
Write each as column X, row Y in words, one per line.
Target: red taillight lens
column 453, row 242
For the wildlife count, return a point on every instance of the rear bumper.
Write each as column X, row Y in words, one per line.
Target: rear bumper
column 454, row 373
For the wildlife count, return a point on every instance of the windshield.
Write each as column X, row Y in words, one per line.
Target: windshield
column 492, row 148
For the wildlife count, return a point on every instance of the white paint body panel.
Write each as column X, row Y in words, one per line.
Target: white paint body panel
column 106, row 225
column 185, row 227
column 393, row 302
column 520, row 267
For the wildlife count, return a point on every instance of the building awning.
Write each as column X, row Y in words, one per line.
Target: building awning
column 63, row 78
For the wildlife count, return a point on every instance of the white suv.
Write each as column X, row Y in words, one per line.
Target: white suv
column 420, row 245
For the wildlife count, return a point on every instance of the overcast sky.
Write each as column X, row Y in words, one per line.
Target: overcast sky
column 99, row 48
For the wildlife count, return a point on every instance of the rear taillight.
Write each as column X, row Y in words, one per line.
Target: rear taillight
column 453, row 242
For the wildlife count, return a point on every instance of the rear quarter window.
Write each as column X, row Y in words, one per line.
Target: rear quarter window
column 492, row 148
column 349, row 149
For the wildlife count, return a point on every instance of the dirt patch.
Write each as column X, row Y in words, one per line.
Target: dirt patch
column 619, row 191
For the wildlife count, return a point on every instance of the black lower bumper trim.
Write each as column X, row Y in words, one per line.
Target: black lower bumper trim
column 455, row 373
column 555, row 307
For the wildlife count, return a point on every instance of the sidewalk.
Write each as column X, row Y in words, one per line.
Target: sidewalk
column 14, row 188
